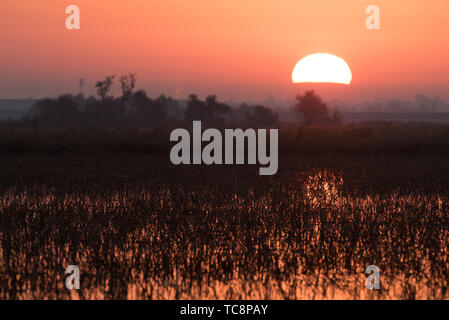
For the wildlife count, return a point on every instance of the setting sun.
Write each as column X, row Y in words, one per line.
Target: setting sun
column 322, row 67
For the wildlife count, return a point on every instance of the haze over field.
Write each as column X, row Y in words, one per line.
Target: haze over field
column 419, row 109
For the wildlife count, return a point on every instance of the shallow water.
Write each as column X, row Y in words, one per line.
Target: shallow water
column 302, row 235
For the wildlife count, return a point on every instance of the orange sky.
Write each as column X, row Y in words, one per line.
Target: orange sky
column 238, row 49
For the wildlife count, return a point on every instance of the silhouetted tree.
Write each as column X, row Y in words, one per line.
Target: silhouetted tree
column 171, row 108
column 210, row 111
column 195, row 109
column 103, row 87
column 216, row 111
column 263, row 116
column 139, row 106
column 144, row 110
column 127, row 83
column 109, row 111
column 311, row 108
column 241, row 114
column 159, row 109
column 60, row 111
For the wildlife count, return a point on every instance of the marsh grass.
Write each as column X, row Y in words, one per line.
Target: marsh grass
column 140, row 228
column 367, row 138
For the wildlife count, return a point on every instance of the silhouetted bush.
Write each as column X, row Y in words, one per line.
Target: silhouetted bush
column 314, row 111
column 262, row 116
column 210, row 112
column 61, row 111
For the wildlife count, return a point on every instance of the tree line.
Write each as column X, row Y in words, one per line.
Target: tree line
column 137, row 108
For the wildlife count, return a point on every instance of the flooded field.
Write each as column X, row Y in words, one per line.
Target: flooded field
column 140, row 228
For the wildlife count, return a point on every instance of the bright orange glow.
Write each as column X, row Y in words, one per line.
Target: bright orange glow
column 322, row 67
column 242, row 50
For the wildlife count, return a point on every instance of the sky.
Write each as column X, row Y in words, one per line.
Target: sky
column 239, row 50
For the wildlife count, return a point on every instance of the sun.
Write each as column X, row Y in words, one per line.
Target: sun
column 322, row 67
